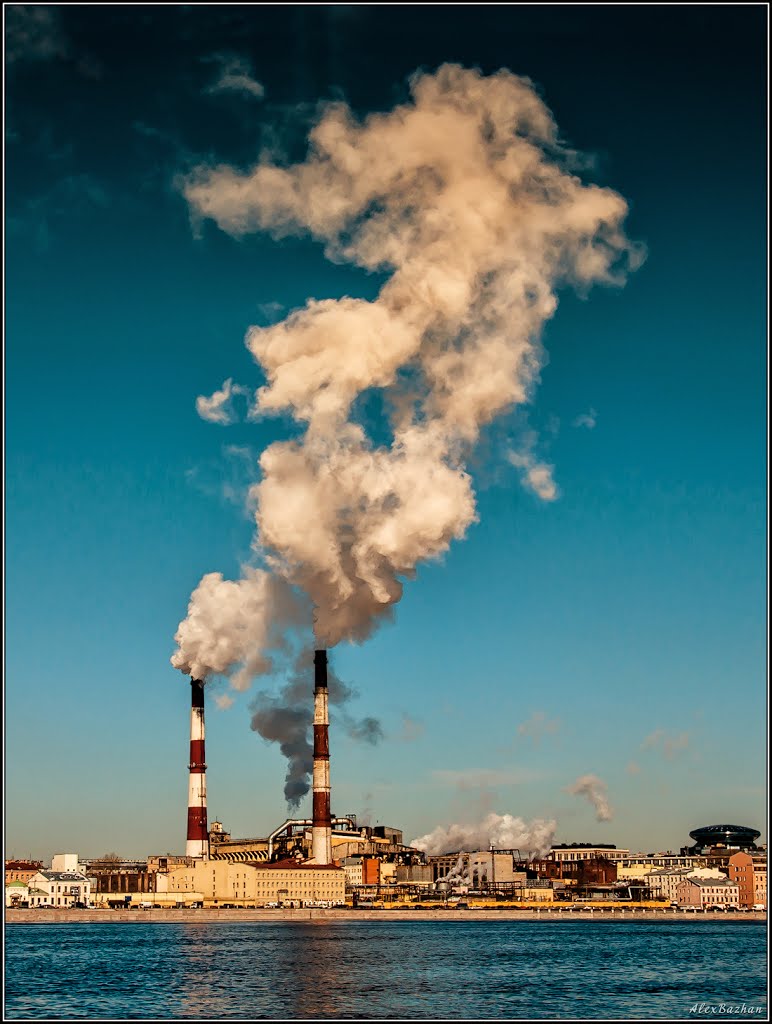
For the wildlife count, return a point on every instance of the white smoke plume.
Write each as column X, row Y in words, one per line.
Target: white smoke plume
column 467, row 198
column 234, row 628
column 596, row 791
column 458, row 872
column 534, row 838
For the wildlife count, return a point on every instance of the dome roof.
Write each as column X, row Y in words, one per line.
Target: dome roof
column 734, row 834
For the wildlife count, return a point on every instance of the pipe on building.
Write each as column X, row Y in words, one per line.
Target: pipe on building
column 290, row 822
column 198, row 836
column 321, row 829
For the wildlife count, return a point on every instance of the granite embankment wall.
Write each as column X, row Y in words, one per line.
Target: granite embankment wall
column 288, row 916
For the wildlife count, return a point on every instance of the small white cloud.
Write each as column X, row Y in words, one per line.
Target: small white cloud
column 236, row 75
column 536, row 476
column 218, row 407
column 223, row 701
column 587, row 419
column 539, row 479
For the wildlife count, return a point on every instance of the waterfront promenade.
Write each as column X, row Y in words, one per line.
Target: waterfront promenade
column 238, row 916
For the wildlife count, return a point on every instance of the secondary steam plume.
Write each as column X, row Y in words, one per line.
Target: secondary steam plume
column 236, row 625
column 533, row 838
column 596, row 792
column 467, row 198
column 287, row 718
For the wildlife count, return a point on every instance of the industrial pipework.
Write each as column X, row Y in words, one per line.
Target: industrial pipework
column 198, row 836
column 321, row 830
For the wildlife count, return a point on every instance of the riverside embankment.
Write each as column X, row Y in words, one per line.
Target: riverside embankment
column 240, row 916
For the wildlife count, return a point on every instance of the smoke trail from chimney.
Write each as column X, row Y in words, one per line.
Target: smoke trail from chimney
column 287, row 718
column 467, row 198
column 596, row 791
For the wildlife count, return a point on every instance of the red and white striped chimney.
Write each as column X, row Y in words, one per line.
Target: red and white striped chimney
column 198, row 837
column 321, row 830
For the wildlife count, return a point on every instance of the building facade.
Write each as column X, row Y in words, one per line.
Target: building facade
column 21, row 870
column 223, row 883
column 664, row 883
column 17, row 894
column 750, row 873
column 637, row 866
column 708, row 893
column 59, row 889
column 586, row 851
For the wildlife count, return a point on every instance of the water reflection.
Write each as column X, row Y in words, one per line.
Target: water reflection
column 322, row 970
column 308, row 962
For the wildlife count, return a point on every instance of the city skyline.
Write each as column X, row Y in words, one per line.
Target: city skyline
column 591, row 653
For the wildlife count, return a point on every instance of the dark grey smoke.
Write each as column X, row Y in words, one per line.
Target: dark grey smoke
column 367, row 729
column 289, row 727
column 286, row 718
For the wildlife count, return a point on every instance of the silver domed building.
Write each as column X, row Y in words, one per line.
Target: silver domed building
column 732, row 837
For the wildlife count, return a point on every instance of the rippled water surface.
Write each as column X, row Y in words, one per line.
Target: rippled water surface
column 413, row 970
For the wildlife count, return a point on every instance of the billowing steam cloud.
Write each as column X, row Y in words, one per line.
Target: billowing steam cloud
column 235, row 625
column 533, row 839
column 595, row 790
column 467, row 198
column 286, row 719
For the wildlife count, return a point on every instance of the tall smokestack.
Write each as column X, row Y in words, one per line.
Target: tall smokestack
column 198, row 838
column 321, row 833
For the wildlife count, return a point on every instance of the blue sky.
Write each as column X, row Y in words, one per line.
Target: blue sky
column 628, row 615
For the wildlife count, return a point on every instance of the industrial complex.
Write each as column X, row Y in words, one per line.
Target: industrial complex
column 329, row 861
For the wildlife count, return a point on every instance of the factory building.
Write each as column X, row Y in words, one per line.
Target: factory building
column 369, row 870
column 294, row 837
column 226, row 883
column 586, row 851
column 477, row 870
column 593, row 871
column 414, row 874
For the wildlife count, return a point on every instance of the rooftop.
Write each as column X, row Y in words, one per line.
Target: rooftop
column 715, row 831
column 294, row 865
column 63, row 876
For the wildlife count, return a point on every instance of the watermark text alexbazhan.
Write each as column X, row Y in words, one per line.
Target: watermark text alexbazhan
column 726, row 1009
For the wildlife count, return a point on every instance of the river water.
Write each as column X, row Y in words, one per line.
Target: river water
column 401, row 969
